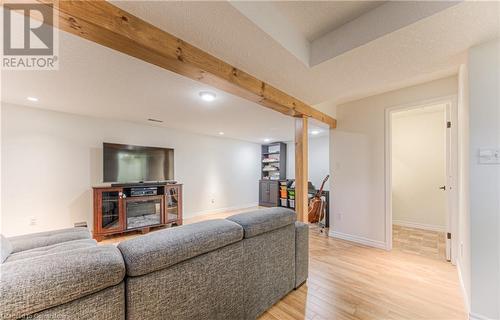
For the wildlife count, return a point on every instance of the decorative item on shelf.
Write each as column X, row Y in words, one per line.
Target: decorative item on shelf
column 274, row 175
column 274, row 148
column 270, row 168
column 271, row 160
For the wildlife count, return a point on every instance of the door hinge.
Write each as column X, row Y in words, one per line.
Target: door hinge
column 448, row 235
column 448, row 124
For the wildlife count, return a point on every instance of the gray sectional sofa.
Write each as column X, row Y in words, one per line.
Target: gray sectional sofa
column 234, row 268
column 61, row 274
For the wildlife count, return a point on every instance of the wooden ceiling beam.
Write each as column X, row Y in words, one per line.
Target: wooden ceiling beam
column 105, row 24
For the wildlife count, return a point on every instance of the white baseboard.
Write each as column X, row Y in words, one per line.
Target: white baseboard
column 474, row 316
column 417, row 225
column 220, row 210
column 357, row 239
column 462, row 287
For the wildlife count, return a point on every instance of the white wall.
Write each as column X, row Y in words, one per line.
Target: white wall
column 463, row 261
column 419, row 168
column 484, row 182
column 318, row 160
column 50, row 160
column 358, row 156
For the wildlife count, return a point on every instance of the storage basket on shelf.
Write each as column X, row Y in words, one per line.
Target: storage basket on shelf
column 283, row 192
column 284, row 202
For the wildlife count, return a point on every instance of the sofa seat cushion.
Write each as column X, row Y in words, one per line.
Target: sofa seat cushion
column 162, row 249
column 263, row 220
column 39, row 283
column 43, row 239
column 5, row 248
column 55, row 248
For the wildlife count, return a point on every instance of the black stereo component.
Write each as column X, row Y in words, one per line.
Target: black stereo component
column 143, row 191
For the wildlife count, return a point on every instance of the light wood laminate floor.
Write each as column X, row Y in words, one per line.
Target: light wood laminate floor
column 418, row 241
column 350, row 281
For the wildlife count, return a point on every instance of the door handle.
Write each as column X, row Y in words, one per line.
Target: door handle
column 442, row 188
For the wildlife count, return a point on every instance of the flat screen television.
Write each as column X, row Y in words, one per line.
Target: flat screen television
column 131, row 164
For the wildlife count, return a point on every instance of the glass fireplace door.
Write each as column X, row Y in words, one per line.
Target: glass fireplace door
column 172, row 203
column 109, row 210
column 143, row 211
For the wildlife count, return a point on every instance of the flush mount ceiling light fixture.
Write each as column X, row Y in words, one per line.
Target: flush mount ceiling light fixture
column 315, row 132
column 221, row 133
column 207, row 95
column 267, row 140
column 32, row 99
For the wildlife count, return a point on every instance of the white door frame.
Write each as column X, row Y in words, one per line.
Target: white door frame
column 452, row 168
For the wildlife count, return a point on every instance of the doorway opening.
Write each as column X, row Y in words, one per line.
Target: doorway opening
column 419, row 176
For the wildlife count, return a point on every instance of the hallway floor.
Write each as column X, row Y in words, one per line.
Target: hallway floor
column 418, row 241
column 355, row 282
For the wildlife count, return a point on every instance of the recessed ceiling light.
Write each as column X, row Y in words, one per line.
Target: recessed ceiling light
column 315, row 132
column 267, row 140
column 221, row 133
column 207, row 95
column 32, row 99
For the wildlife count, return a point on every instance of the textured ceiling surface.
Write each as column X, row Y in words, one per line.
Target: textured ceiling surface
column 315, row 18
column 428, row 49
column 97, row 81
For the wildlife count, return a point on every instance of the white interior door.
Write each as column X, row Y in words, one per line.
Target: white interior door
column 451, row 155
column 448, row 184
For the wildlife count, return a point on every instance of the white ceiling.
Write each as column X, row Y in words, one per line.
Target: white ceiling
column 315, row 32
column 425, row 50
column 96, row 81
column 314, row 19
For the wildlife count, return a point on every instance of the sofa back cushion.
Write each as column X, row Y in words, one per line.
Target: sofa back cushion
column 5, row 248
column 264, row 220
column 162, row 249
column 55, row 248
column 47, row 238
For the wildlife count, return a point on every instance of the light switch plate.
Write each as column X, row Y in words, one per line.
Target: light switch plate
column 489, row 155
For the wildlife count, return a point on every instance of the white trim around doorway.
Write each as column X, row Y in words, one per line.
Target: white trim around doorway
column 453, row 221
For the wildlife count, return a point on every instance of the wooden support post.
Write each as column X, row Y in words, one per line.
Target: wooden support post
column 301, row 166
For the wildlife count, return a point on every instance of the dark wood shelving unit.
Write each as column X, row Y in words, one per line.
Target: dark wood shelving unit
column 273, row 170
